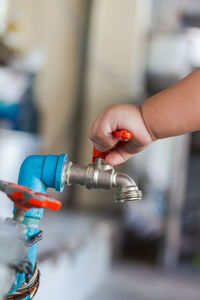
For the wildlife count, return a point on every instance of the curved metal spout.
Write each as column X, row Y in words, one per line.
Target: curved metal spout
column 128, row 188
column 102, row 176
column 123, row 179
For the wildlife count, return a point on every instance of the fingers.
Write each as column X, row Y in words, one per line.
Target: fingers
column 101, row 133
column 117, row 157
column 116, row 117
column 103, row 141
column 120, row 154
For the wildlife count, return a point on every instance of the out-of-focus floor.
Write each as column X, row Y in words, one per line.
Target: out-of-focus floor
column 127, row 281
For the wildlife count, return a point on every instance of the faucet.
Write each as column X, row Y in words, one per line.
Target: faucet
column 100, row 175
column 37, row 173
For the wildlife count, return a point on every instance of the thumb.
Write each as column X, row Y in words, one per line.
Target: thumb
column 118, row 156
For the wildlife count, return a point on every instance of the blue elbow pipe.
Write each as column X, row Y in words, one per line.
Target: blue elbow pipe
column 39, row 172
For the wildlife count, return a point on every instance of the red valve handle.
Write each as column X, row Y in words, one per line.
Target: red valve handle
column 25, row 198
column 123, row 135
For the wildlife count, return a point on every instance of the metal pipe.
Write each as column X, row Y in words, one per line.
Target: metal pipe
column 102, row 176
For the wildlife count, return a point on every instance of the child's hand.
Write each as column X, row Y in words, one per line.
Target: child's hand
column 118, row 117
column 171, row 112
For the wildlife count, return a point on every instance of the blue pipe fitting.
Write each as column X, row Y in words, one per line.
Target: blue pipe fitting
column 52, row 171
column 39, row 172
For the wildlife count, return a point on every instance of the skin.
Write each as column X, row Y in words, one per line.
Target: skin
column 172, row 112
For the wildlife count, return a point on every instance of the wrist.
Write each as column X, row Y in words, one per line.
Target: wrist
column 147, row 122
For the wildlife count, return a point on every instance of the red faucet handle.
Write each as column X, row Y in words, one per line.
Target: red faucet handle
column 25, row 198
column 123, row 135
column 99, row 154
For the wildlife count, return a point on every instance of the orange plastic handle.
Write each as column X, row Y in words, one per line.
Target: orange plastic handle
column 123, row 135
column 25, row 198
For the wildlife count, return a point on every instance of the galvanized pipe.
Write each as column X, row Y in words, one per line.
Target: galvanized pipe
column 102, row 176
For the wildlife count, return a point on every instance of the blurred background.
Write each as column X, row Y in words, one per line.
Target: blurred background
column 61, row 63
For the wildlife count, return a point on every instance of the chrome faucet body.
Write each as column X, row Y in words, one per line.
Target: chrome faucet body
column 100, row 175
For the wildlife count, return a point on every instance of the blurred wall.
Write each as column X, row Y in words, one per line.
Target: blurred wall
column 55, row 27
column 117, row 60
column 167, row 14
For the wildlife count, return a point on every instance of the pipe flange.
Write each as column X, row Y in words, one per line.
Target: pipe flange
column 67, row 172
column 128, row 193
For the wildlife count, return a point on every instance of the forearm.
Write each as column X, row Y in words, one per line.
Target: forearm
column 175, row 110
